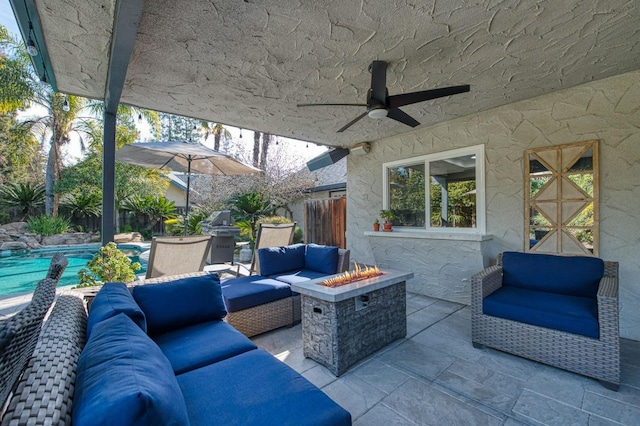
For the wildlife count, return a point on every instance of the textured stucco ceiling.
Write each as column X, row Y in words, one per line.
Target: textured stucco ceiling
column 248, row 63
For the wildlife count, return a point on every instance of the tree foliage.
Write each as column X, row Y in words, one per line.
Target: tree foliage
column 108, row 265
column 16, row 85
column 179, row 128
column 26, row 198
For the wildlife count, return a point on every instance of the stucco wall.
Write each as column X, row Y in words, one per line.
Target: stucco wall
column 608, row 110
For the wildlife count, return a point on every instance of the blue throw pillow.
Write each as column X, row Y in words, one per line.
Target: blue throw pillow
column 322, row 259
column 111, row 300
column 180, row 303
column 274, row 260
column 570, row 275
column 124, row 379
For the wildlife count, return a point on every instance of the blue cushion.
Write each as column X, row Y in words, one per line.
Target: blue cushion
column 255, row 388
column 295, row 277
column 180, row 303
column 570, row 275
column 202, row 344
column 124, row 379
column 279, row 259
column 573, row 314
column 247, row 292
column 112, row 299
column 322, row 259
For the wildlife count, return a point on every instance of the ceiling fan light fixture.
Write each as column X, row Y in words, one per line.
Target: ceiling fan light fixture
column 378, row 113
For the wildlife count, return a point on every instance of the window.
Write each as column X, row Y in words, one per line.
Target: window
column 562, row 199
column 438, row 192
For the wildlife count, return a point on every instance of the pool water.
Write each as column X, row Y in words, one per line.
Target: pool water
column 21, row 273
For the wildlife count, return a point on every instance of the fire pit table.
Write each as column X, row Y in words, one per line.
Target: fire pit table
column 342, row 325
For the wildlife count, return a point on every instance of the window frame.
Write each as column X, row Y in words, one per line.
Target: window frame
column 478, row 151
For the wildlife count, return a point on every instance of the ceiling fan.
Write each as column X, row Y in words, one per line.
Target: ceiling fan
column 380, row 104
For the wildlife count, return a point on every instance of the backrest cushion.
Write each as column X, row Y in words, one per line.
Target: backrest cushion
column 274, row 260
column 570, row 275
column 323, row 259
column 124, row 379
column 111, row 300
column 176, row 304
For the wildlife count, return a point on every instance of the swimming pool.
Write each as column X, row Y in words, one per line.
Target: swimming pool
column 21, row 273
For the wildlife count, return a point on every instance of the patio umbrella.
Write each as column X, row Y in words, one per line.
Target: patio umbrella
column 183, row 156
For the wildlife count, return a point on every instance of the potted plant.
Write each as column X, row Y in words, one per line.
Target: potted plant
column 387, row 216
column 376, row 225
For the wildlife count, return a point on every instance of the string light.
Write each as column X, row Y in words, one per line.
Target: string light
column 65, row 106
column 32, row 50
column 240, row 133
column 140, row 117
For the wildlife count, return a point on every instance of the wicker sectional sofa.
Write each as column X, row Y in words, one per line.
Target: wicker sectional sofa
column 260, row 303
column 159, row 353
column 558, row 310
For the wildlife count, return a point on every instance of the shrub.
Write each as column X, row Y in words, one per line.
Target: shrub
column 108, row 265
column 48, row 225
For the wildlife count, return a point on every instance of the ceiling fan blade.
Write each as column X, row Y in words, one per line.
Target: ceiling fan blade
column 401, row 116
column 308, row 105
column 425, row 95
column 352, row 122
column 379, row 81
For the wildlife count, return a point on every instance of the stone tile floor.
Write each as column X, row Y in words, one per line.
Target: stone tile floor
column 436, row 377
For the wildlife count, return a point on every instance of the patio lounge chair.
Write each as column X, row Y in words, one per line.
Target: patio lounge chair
column 270, row 235
column 177, row 255
column 558, row 310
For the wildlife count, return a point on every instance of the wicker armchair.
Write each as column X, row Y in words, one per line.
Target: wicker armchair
column 597, row 358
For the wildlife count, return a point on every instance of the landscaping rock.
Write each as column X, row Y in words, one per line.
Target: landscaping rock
column 16, row 227
column 30, row 241
column 13, row 245
column 128, row 237
column 69, row 238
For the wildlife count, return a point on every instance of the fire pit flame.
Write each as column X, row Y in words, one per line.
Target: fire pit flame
column 348, row 277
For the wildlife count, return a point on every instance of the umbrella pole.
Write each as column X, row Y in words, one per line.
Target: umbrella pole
column 186, row 215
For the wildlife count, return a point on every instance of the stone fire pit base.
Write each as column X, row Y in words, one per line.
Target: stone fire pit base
column 337, row 334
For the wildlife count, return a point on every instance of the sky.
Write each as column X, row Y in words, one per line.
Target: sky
column 301, row 151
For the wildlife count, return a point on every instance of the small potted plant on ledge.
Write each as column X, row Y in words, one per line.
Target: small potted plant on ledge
column 376, row 225
column 387, row 216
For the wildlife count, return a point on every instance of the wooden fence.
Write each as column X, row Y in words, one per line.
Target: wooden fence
column 326, row 221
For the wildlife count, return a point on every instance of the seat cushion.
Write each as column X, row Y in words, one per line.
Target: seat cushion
column 573, row 314
column 247, row 292
column 124, row 379
column 111, row 300
column 274, row 260
column 570, row 275
column 202, row 344
column 268, row 392
column 295, row 277
column 176, row 304
column 323, row 259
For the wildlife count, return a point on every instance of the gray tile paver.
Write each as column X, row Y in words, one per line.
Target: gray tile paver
column 436, row 377
column 381, row 415
column 547, row 411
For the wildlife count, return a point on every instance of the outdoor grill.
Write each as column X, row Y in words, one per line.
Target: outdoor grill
column 220, row 226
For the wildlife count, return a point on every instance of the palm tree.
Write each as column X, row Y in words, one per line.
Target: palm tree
column 61, row 119
column 217, row 130
column 25, row 197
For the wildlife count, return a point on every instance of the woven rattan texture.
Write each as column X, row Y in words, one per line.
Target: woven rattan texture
column 268, row 316
column 44, row 394
column 20, row 334
column 597, row 358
